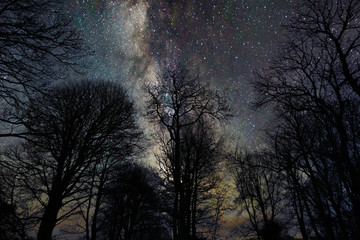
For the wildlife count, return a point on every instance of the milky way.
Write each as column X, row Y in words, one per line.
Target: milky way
column 224, row 39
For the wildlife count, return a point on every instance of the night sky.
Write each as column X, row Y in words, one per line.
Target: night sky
column 225, row 40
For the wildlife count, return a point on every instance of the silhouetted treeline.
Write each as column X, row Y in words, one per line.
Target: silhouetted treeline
column 71, row 160
column 70, row 156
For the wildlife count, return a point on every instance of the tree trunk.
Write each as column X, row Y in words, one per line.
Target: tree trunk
column 49, row 218
column 299, row 211
column 193, row 221
column 194, row 203
column 182, row 213
column 177, row 183
column 97, row 207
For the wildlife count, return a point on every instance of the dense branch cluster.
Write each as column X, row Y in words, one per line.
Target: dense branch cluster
column 36, row 41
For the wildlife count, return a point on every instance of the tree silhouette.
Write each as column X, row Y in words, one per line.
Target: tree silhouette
column 132, row 208
column 72, row 129
column 200, row 160
column 260, row 191
column 313, row 84
column 11, row 227
column 38, row 44
column 177, row 101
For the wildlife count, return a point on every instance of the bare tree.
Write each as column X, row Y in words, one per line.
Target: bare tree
column 16, row 215
column 72, row 129
column 218, row 204
column 201, row 158
column 260, row 192
column 304, row 151
column 314, row 86
column 177, row 101
column 38, row 44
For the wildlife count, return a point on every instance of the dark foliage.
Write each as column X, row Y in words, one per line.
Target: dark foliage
column 11, row 227
column 273, row 231
column 133, row 206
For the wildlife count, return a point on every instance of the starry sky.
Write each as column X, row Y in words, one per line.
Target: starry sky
column 224, row 40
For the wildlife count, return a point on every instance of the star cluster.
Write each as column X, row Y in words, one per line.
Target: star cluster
column 225, row 40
